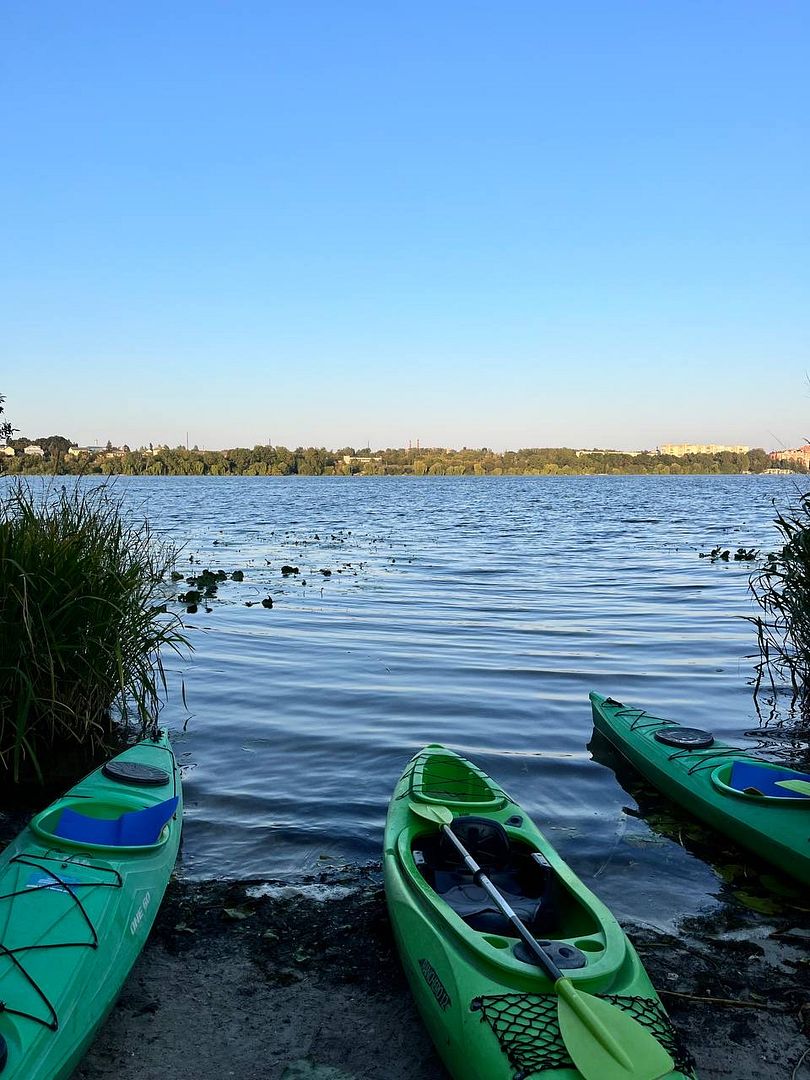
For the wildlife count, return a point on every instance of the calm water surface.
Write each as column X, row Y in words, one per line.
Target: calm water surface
column 473, row 612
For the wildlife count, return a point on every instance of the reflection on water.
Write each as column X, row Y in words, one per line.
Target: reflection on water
column 658, row 822
column 474, row 612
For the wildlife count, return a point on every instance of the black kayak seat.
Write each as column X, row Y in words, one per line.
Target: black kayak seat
column 489, row 844
column 471, row 902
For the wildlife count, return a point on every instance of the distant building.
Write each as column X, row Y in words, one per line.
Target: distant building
column 682, row 449
column 800, row 455
column 624, row 453
column 9, row 451
column 77, row 451
column 34, row 451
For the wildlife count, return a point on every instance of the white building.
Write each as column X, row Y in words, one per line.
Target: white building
column 682, row 449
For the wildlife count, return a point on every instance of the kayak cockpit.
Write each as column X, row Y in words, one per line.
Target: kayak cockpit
column 760, row 782
column 105, row 823
column 445, row 778
column 529, row 884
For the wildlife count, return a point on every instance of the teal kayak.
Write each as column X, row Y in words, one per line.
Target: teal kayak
column 491, row 1011
column 731, row 790
column 79, row 891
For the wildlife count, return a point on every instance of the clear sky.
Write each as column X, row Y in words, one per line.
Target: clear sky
column 514, row 223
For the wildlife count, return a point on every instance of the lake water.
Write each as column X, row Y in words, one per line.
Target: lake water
column 473, row 612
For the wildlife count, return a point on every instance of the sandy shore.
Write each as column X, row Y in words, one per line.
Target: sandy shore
column 289, row 982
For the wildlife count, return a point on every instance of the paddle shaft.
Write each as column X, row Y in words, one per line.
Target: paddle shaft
column 603, row 1041
column 565, row 989
column 481, row 879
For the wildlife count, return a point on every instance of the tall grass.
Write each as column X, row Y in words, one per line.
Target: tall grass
column 781, row 588
column 82, row 623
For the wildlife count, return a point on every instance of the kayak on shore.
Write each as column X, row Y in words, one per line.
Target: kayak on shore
column 491, row 1009
column 79, row 891
column 757, row 803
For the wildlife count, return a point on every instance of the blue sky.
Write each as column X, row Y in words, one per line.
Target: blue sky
column 507, row 224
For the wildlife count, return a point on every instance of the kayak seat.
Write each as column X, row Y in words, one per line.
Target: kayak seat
column 471, row 902
column 137, row 828
column 486, row 840
column 526, row 886
column 750, row 774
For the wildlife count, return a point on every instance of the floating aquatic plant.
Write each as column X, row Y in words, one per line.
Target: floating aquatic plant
column 721, row 554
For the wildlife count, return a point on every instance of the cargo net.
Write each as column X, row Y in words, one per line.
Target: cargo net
column 452, row 785
column 51, row 881
column 527, row 1030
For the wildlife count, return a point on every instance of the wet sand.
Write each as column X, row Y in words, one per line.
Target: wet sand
column 302, row 982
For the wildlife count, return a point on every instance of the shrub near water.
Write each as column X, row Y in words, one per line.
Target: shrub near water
column 83, row 622
column 782, row 590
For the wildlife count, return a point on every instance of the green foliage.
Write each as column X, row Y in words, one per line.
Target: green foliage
column 6, row 430
column 782, row 590
column 427, row 461
column 83, row 617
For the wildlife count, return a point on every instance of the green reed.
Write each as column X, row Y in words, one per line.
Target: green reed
column 781, row 588
column 82, row 625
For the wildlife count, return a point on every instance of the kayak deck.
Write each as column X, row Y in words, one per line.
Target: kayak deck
column 728, row 788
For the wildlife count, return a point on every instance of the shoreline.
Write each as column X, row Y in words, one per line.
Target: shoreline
column 505, row 475
column 300, row 980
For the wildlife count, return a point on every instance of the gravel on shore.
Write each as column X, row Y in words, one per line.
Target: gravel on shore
column 301, row 981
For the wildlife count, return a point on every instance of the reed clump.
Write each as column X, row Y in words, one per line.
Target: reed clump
column 83, row 622
column 781, row 588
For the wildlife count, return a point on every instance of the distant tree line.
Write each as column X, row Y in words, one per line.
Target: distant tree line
column 314, row 461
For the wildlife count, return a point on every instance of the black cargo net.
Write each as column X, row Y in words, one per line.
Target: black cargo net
column 528, row 1032
column 54, row 882
column 696, row 760
column 451, row 784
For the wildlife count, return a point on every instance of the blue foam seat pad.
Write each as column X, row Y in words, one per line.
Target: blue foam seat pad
column 133, row 829
column 746, row 774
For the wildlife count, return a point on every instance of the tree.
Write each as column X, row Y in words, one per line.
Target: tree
column 6, row 430
column 54, row 445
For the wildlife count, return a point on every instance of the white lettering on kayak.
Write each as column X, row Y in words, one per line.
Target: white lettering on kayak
column 137, row 918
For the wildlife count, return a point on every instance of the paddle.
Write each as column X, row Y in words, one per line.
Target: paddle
column 604, row 1043
column 802, row 786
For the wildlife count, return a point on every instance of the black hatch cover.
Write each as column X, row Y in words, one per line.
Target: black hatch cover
column 135, row 772
column 685, row 738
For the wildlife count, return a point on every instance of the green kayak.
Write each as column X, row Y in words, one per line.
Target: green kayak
column 79, row 891
column 490, row 1009
column 729, row 789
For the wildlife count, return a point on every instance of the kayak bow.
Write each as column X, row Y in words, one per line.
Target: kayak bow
column 79, row 891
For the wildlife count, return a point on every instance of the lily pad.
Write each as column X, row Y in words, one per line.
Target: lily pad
column 763, row 904
column 780, row 887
